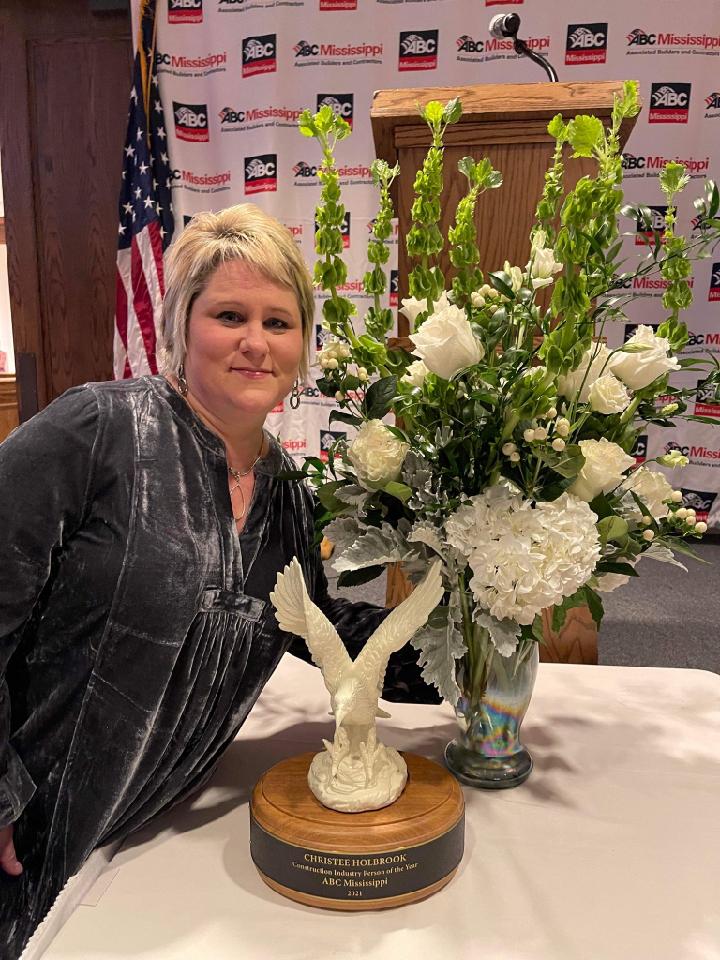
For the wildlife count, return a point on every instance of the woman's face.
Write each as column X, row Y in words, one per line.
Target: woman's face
column 244, row 343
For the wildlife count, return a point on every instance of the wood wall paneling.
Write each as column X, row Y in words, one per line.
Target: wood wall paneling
column 522, row 161
column 8, row 405
column 77, row 198
column 66, row 74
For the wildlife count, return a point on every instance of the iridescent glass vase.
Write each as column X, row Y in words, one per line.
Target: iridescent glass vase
column 495, row 694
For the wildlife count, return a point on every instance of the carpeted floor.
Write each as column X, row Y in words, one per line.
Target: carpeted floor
column 664, row 618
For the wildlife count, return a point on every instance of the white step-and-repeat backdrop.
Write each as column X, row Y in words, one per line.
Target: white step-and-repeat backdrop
column 235, row 74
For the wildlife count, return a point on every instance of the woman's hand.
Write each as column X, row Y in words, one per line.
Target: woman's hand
column 8, row 859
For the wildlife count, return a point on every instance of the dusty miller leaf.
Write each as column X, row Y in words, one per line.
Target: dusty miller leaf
column 355, row 495
column 375, row 546
column 503, row 633
column 343, row 532
column 656, row 551
column 440, row 644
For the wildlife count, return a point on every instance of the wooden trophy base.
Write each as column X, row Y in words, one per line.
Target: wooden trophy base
column 357, row 861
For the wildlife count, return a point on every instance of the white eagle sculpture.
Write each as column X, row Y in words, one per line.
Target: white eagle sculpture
column 355, row 772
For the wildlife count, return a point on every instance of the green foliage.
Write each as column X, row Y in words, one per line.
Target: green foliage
column 424, row 240
column 507, row 418
column 464, row 252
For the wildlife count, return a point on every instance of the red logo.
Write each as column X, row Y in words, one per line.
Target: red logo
column 295, row 446
column 393, row 288
column 185, row 11
column 701, row 501
column 261, row 173
column 645, row 232
column 418, row 50
column 706, row 405
column 191, row 122
column 640, row 449
column 714, row 292
column 259, row 55
column 669, row 103
column 586, row 43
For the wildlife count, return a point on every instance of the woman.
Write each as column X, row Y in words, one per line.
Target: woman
column 144, row 524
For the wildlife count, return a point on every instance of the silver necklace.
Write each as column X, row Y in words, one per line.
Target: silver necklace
column 237, row 476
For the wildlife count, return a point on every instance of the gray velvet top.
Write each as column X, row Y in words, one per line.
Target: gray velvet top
column 135, row 627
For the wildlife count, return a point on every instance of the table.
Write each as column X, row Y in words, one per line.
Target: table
column 610, row 851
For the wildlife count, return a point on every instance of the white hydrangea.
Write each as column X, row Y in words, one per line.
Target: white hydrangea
column 524, row 557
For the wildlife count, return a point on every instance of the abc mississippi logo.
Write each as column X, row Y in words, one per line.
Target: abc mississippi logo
column 259, row 55
column 418, row 50
column 185, row 11
column 714, row 291
column 669, row 103
column 586, row 43
column 261, row 173
column 191, row 122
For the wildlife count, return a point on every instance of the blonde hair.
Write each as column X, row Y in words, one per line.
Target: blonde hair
column 242, row 232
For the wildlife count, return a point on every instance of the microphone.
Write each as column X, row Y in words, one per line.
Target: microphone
column 506, row 26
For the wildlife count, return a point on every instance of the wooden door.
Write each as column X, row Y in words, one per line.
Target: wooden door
column 65, row 72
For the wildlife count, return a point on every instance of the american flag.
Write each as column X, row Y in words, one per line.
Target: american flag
column 146, row 221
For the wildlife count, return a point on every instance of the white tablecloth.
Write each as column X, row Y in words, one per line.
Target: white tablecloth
column 610, row 851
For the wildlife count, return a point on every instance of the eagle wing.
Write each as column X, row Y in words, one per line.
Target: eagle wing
column 401, row 624
column 297, row 614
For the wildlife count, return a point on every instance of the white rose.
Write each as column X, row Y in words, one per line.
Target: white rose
column 416, row 373
column 605, row 464
column 652, row 488
column 608, row 395
column 411, row 307
column 591, row 368
column 446, row 343
column 376, row 454
column 542, row 267
column 637, row 370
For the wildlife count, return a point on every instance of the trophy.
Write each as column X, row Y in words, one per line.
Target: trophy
column 357, row 826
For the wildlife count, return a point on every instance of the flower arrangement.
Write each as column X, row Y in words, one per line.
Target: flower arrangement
column 502, row 442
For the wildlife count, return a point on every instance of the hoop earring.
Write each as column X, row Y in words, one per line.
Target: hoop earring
column 295, row 395
column 181, row 381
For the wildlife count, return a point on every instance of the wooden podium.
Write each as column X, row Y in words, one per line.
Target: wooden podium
column 508, row 124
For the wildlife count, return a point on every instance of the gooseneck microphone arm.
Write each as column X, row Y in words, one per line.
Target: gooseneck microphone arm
column 507, row 25
column 524, row 50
